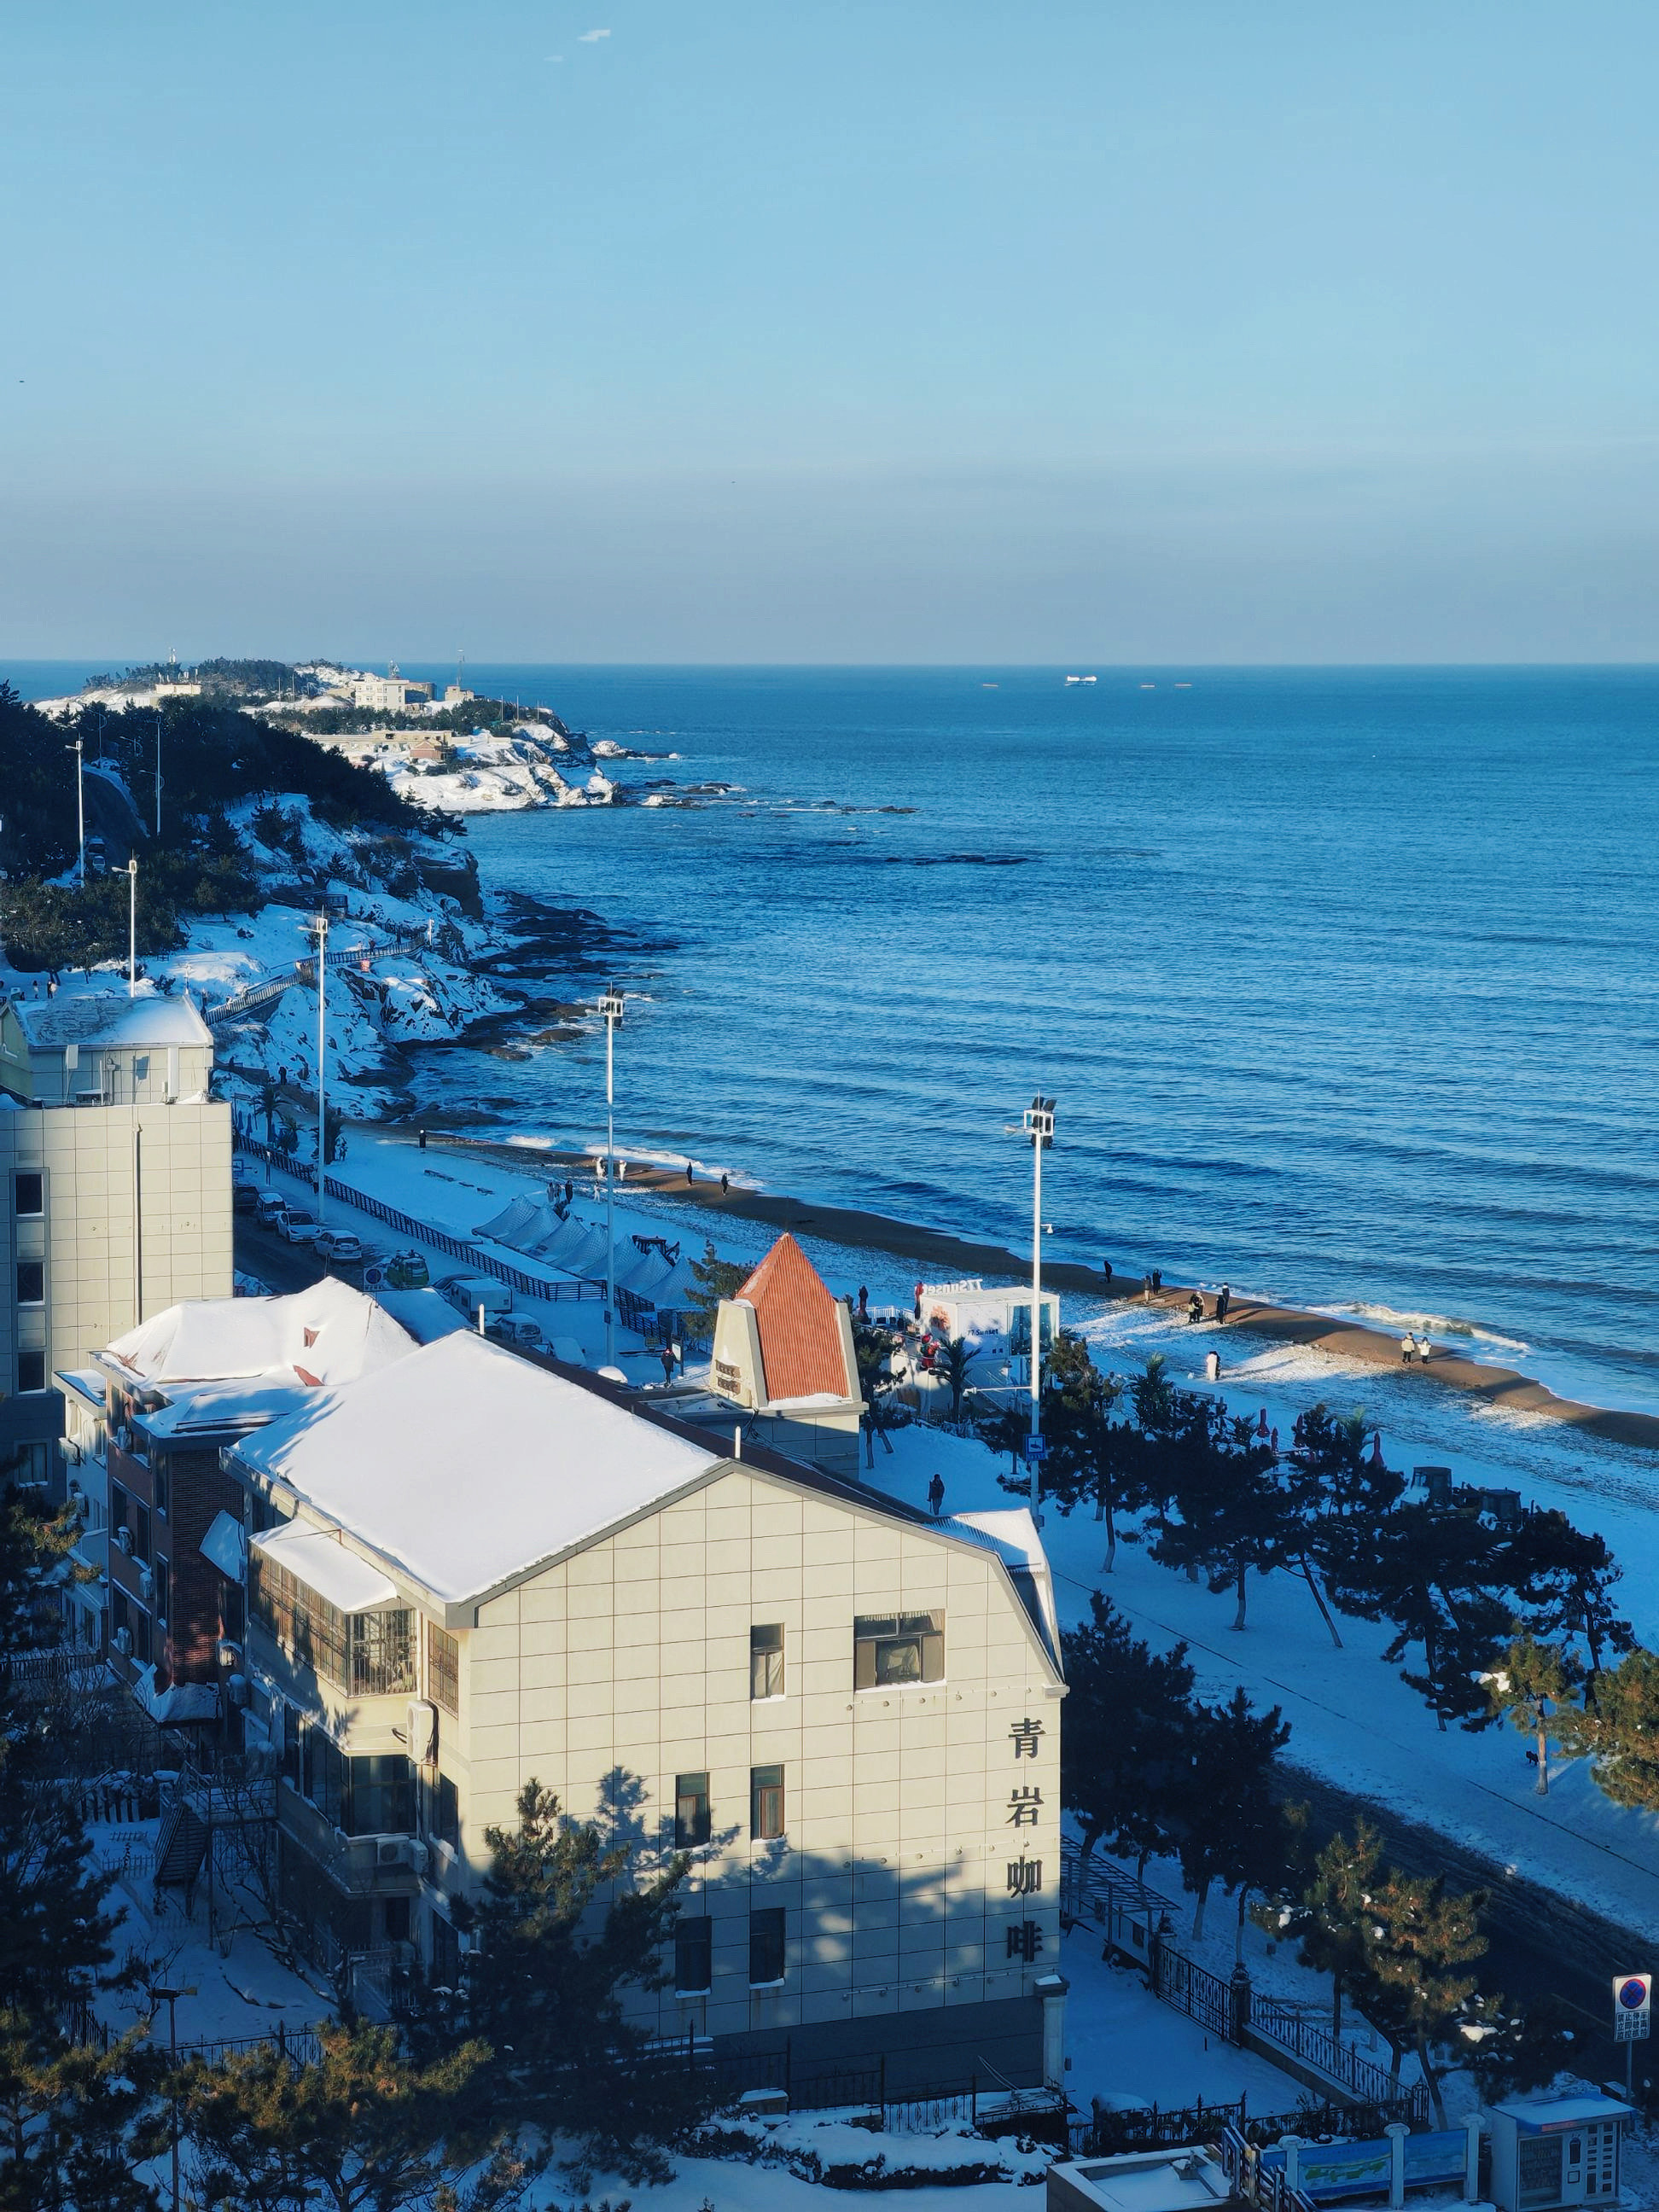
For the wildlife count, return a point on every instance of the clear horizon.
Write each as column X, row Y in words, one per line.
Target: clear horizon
column 929, row 337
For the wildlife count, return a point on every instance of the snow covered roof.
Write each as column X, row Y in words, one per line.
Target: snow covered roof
column 426, row 1315
column 110, row 1017
column 317, row 1558
column 801, row 1338
column 326, row 1335
column 468, row 1466
column 1013, row 1533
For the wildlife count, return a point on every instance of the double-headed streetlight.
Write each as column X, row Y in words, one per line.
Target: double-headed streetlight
column 322, row 1065
column 611, row 1005
column 1037, row 1127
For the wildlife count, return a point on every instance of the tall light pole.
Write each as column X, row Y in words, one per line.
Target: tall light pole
column 1038, row 1124
column 80, row 810
column 611, row 1005
column 158, row 772
column 322, row 1064
column 132, row 926
column 170, row 1998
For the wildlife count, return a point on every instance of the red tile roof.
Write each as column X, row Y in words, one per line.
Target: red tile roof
column 800, row 1337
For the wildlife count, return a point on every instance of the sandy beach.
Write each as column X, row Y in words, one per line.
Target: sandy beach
column 944, row 1255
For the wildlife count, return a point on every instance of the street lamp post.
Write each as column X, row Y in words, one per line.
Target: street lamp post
column 170, row 1998
column 158, row 772
column 611, row 1005
column 132, row 926
column 322, row 1064
column 80, row 812
column 1037, row 1125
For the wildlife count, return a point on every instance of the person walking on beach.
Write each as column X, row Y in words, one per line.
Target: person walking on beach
column 1157, row 1282
column 1408, row 1349
column 688, row 1171
column 936, row 1495
column 1424, row 1348
column 725, row 1185
column 668, row 1358
column 1194, row 1307
column 1106, row 1270
column 1222, row 1302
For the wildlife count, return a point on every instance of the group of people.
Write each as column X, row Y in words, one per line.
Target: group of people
column 1224, row 1299
column 1412, row 1347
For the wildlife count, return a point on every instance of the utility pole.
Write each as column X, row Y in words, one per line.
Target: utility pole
column 133, row 926
column 611, row 1005
column 158, row 773
column 322, row 1063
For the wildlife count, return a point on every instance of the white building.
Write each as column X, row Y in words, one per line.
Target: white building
column 467, row 1573
column 388, row 694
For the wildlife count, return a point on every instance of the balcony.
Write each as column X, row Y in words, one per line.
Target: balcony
column 358, row 1865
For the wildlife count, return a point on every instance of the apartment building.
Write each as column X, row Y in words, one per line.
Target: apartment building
column 163, row 1523
column 466, row 1572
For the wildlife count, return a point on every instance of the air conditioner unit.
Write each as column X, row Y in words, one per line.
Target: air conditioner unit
column 418, row 1856
column 146, row 1583
column 399, row 1851
column 421, row 1731
column 123, row 1641
column 123, row 1539
column 236, row 1690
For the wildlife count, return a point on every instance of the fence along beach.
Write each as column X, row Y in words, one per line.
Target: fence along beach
column 1502, row 1388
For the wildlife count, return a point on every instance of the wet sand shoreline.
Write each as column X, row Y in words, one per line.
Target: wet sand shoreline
column 1504, row 1387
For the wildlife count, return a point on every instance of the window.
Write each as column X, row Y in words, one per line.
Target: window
column 766, row 1945
column 28, row 1194
column 443, row 1668
column 120, row 1613
column 31, row 1370
column 693, row 1818
column 143, row 1645
column 895, row 1648
column 370, row 1654
column 120, row 1512
column 694, row 1956
column 766, row 1662
column 31, row 1282
column 141, row 1067
column 443, row 1812
column 140, row 1525
column 159, row 1483
column 765, row 1803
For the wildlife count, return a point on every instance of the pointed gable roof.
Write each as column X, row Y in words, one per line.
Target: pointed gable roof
column 801, row 1349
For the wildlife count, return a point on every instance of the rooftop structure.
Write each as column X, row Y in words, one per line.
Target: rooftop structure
column 783, row 1354
column 105, row 1048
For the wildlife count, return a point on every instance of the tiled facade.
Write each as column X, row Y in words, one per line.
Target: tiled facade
column 917, row 1870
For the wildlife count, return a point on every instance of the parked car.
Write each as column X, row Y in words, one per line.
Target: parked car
column 300, row 1225
column 244, row 1197
column 522, row 1334
column 407, row 1271
column 270, row 1206
column 338, row 1244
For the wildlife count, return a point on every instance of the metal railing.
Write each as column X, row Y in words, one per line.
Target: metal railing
column 1293, row 2032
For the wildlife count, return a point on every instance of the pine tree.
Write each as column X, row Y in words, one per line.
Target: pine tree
column 1124, row 1748
column 1437, row 1577
column 575, row 1915
column 1563, row 1579
column 1410, row 1987
column 716, row 1278
column 1235, row 1511
column 1229, row 1798
column 360, row 2129
column 1327, row 1920
column 1535, row 1682
column 1620, row 1731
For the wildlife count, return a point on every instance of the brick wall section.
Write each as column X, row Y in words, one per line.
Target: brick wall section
column 199, row 1491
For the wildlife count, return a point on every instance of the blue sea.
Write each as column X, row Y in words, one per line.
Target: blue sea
column 1343, row 980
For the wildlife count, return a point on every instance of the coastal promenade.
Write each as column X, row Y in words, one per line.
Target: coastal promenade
column 944, row 1255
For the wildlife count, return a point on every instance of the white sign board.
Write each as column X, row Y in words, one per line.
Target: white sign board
column 1632, row 2008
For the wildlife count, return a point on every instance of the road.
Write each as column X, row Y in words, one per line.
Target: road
column 278, row 1265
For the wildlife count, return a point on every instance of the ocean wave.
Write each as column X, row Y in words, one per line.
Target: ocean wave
column 1390, row 1317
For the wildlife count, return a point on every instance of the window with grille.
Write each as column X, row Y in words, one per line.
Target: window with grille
column 371, row 1654
column 443, row 1668
column 31, row 1282
column 765, row 1802
column 693, row 1816
column 766, row 1662
column 694, row 1956
column 892, row 1649
column 766, row 1945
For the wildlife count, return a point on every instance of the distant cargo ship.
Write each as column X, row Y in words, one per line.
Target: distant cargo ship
column 1083, row 679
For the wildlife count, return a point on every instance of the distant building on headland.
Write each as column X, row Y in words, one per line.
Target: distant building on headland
column 388, row 694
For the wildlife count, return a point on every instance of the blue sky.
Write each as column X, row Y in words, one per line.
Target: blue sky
column 828, row 331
